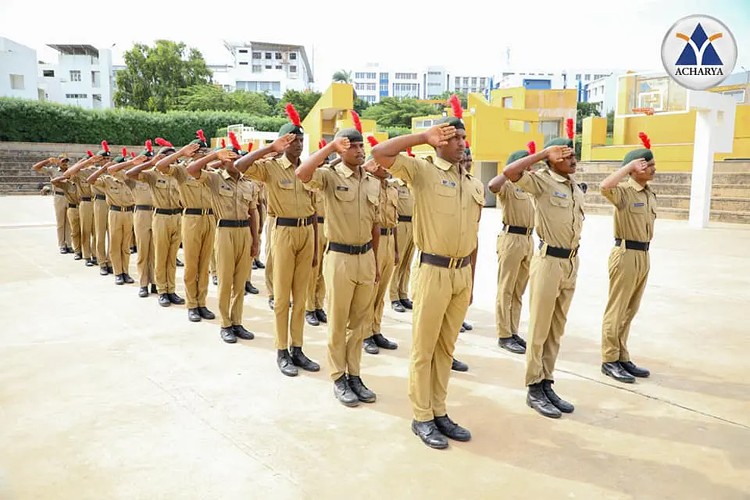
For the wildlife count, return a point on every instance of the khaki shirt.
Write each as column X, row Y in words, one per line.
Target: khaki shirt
column 636, row 210
column 351, row 203
column 287, row 196
column 68, row 187
column 84, row 188
column 558, row 218
column 116, row 189
column 447, row 205
column 518, row 209
column 231, row 199
column 163, row 189
column 405, row 199
column 193, row 192
column 254, row 188
column 142, row 194
column 52, row 171
column 388, row 205
column 319, row 203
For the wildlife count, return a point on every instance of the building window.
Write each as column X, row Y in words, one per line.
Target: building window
column 16, row 82
column 243, row 63
column 587, row 77
column 278, row 66
column 48, row 73
column 76, row 96
column 359, row 75
column 278, row 55
column 242, row 51
column 434, row 73
column 482, row 81
column 269, row 66
column 738, row 95
column 257, row 68
column 292, row 56
column 75, row 75
column 292, row 69
column 406, row 76
column 256, row 55
column 95, row 79
column 473, row 80
column 507, row 102
column 578, row 76
column 268, row 55
column 458, row 81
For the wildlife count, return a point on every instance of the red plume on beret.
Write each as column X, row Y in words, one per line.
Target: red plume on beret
column 201, row 136
column 531, row 147
column 88, row 152
column 124, row 152
column 569, row 128
column 466, row 145
column 645, row 140
column 163, row 142
column 235, row 143
column 322, row 143
column 105, row 146
column 371, row 139
column 249, row 146
column 408, row 152
column 458, row 111
column 357, row 122
column 223, row 143
column 293, row 115
column 132, row 154
column 149, row 146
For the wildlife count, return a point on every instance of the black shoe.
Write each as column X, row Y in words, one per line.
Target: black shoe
column 78, row 256
column 215, row 280
column 194, row 315
column 154, row 289
column 560, row 404
column 164, row 300
column 344, row 393
column 228, row 336
column 537, row 399
column 511, row 344
column 398, row 306
column 451, row 429
column 299, row 359
column 466, row 326
column 370, row 346
column 133, row 249
column 179, row 263
column 635, row 371
column 429, row 434
column 520, row 341
column 103, row 271
column 617, row 372
column 285, row 363
column 270, row 302
column 358, row 387
column 255, row 265
column 249, row 288
column 259, row 264
column 241, row 333
column 90, row 263
column 143, row 291
column 175, row 299
column 205, row 313
column 110, row 270
column 94, row 261
column 128, row 279
column 321, row 314
column 311, row 318
column 458, row 366
column 119, row 280
column 63, row 250
column 383, row 342
column 68, row 249
column 408, row 305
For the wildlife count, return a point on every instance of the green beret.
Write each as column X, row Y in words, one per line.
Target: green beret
column 166, row 150
column 352, row 134
column 291, row 128
column 198, row 141
column 119, row 159
column 147, row 153
column 560, row 141
column 104, row 153
column 644, row 153
column 452, row 121
column 517, row 155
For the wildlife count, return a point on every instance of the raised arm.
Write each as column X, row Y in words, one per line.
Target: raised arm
column 386, row 152
column 80, row 165
column 552, row 154
column 497, row 183
column 38, row 166
column 220, row 156
column 277, row 146
column 616, row 177
column 164, row 164
column 93, row 177
column 305, row 171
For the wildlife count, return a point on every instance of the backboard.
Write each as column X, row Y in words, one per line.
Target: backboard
column 649, row 94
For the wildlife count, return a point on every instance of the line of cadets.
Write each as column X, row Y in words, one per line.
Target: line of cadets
column 343, row 228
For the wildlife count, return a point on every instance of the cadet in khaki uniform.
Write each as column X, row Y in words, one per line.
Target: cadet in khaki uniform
column 558, row 220
column 316, row 291
column 68, row 187
column 629, row 261
column 293, row 239
column 262, row 215
column 447, row 207
column 55, row 167
column 166, row 221
column 399, row 289
column 350, row 269
column 515, row 247
column 101, row 230
column 234, row 244
column 142, row 221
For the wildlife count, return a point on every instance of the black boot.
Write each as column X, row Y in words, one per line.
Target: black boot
column 370, row 346
column 110, row 270
column 344, row 393
column 299, row 359
column 128, row 279
column 311, row 318
column 90, row 263
column 78, row 256
column 321, row 315
column 249, row 288
column 205, row 313
column 635, row 371
column 154, row 289
column 164, row 300
column 407, row 303
column 429, row 434
column 560, row 404
column 383, row 342
column 617, row 372
column 175, row 299
column 143, row 291
column 451, row 429
column 242, row 333
column 285, row 363
column 259, row 264
column 228, row 336
column 194, row 315
column 358, row 387
column 520, row 341
column 179, row 263
column 103, row 271
column 537, row 399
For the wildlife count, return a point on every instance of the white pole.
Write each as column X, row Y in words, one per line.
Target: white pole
column 703, row 168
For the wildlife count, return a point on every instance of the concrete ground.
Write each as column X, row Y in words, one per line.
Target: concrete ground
column 107, row 395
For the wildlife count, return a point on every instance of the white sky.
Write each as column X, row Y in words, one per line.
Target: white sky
column 466, row 36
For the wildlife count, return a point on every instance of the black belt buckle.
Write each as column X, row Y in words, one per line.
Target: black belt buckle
column 321, row 220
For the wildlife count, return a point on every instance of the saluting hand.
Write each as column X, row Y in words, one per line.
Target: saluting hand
column 556, row 154
column 226, row 155
column 341, row 144
column 639, row 166
column 439, row 134
column 190, row 149
column 282, row 142
column 140, row 159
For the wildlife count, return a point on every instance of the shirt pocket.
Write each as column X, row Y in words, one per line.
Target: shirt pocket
column 560, row 209
column 445, row 199
column 519, row 193
column 637, row 208
column 345, row 198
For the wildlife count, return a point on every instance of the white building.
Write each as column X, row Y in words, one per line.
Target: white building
column 83, row 76
column 603, row 93
column 17, row 70
column 265, row 67
column 539, row 79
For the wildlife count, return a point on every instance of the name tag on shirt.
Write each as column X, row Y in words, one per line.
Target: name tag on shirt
column 448, row 183
column 161, row 182
column 558, row 194
column 639, row 204
column 286, row 182
column 342, row 188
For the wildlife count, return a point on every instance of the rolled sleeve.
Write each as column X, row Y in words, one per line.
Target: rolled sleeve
column 614, row 195
column 405, row 168
column 258, row 170
column 531, row 183
column 149, row 177
column 319, row 179
column 179, row 172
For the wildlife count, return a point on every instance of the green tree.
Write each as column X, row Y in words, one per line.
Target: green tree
column 584, row 109
column 360, row 105
column 155, row 75
column 303, row 101
column 395, row 112
column 342, row 76
column 214, row 98
column 610, row 122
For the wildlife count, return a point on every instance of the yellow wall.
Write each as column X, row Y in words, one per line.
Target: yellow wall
column 322, row 118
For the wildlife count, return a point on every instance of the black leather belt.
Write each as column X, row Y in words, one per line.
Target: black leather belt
column 447, row 262
column 115, row 208
column 199, row 211
column 292, row 222
column 168, row 211
column 59, row 193
column 634, row 245
column 100, row 197
column 321, row 220
column 85, row 198
column 404, row 218
column 517, row 229
column 350, row 249
column 234, row 223
column 386, row 231
column 144, row 207
column 72, row 205
column 560, row 253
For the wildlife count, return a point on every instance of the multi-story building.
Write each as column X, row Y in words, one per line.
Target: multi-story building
column 603, row 93
column 536, row 79
column 83, row 76
column 265, row 67
column 17, row 70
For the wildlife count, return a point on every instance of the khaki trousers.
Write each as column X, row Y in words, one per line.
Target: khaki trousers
column 86, row 214
column 270, row 225
column 514, row 252
column 553, row 282
column 233, row 245
column 144, row 240
column 386, row 257
column 350, row 280
column 400, row 281
column 316, row 290
column 61, row 219
column 166, row 234
column 101, row 232
column 198, row 233
column 628, row 273
column 120, row 233
column 74, row 221
column 441, row 299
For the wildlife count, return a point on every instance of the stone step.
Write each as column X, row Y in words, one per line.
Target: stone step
column 683, row 202
column 735, row 178
column 720, row 167
column 718, row 191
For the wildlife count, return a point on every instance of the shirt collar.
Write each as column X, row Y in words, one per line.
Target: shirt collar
column 343, row 170
column 633, row 184
column 284, row 161
column 225, row 175
column 558, row 177
column 442, row 164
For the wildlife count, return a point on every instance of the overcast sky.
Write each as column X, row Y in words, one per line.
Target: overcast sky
column 464, row 37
